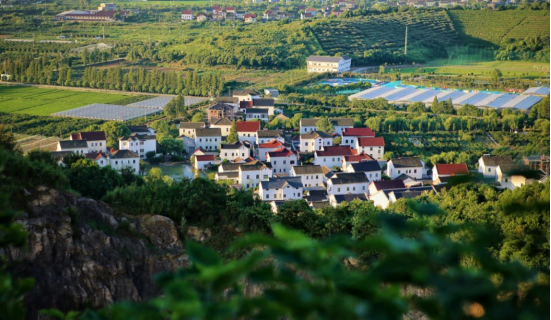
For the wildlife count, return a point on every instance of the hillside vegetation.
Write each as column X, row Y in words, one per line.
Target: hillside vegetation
column 481, row 27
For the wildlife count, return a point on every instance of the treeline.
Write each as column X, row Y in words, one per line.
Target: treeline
column 42, row 71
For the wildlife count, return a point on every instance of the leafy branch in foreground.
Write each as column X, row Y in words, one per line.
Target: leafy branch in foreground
column 418, row 272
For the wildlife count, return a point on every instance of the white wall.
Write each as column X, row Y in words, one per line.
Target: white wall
column 414, row 172
column 231, row 154
column 317, row 144
column 208, row 143
column 97, row 146
column 346, row 188
column 310, row 180
column 247, row 136
column 380, row 200
column 75, row 150
column 120, row 164
column 374, row 152
column 306, row 129
column 340, row 129
column 260, row 140
column 286, row 193
column 224, row 129
column 140, row 147
column 200, row 165
column 190, row 133
column 487, row 171
column 283, row 164
column 251, row 179
column 330, row 161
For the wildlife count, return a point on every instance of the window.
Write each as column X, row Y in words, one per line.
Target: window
column 489, row 169
column 363, row 187
column 415, row 171
column 399, row 171
column 133, row 161
column 248, row 177
column 267, row 196
column 347, row 188
column 284, row 161
column 506, row 180
column 275, row 162
column 116, row 162
column 257, row 176
column 292, row 162
column 339, row 189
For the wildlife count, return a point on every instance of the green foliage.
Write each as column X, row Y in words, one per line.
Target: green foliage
column 233, row 137
column 417, row 107
column 325, row 125
column 90, row 180
column 114, row 130
column 198, row 117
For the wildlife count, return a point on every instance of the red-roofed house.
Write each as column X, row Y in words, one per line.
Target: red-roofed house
column 216, row 10
column 332, row 156
column 98, row 157
column 374, row 147
column 264, row 148
column 311, row 10
column 187, row 15
column 250, row 18
column 351, row 135
column 205, row 161
column 230, row 10
column 282, row 160
column 247, row 130
column 96, row 140
column 449, row 170
column 355, row 159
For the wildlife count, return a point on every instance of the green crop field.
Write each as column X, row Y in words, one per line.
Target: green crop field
column 43, row 102
column 498, row 27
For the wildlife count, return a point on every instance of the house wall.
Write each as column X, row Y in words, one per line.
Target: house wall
column 330, row 162
column 349, row 141
column 187, row 17
column 317, row 144
column 247, row 136
column 231, row 154
column 380, row 200
column 340, row 129
column 310, row 180
column 119, row 164
column 370, row 175
column 487, row 171
column 306, row 129
column 286, row 193
column 260, row 140
column 414, row 172
column 374, row 152
column 200, row 165
column 282, row 164
column 224, row 129
column 263, row 151
column 97, row 146
column 75, row 150
column 140, row 147
column 251, row 179
column 346, row 188
column 102, row 162
column 190, row 133
column 208, row 143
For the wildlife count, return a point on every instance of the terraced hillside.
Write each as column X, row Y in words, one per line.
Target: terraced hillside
column 481, row 27
column 377, row 37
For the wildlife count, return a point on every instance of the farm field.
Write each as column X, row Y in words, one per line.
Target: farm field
column 43, row 102
column 31, row 142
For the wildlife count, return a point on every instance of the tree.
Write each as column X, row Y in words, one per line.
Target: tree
column 325, row 125
column 198, row 117
column 417, row 107
column 495, row 76
column 114, row 130
column 381, row 69
column 233, row 137
column 337, row 140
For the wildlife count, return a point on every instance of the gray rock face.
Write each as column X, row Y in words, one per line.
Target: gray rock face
column 81, row 255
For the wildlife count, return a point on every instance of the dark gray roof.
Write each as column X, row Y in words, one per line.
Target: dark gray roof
column 221, row 106
column 315, row 134
column 513, row 168
column 231, row 146
column 191, row 125
column 123, row 154
column 494, row 161
column 142, row 128
column 389, row 184
column 269, row 133
column 407, row 194
column 308, row 169
column 251, row 166
column 352, row 177
column 223, row 122
column 136, row 137
column 228, row 175
column 228, row 167
column 208, row 132
column 311, row 122
column 246, row 91
column 327, row 58
column 263, row 102
column 73, row 144
column 366, row 166
column 255, row 110
column 349, row 197
column 404, row 176
column 411, row 162
column 316, row 195
column 282, row 182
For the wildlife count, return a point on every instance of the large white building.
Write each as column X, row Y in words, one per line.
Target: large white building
column 246, row 130
column 140, row 144
column 187, row 15
column 96, row 140
column 311, row 176
column 122, row 159
column 343, row 183
column 374, row 147
column 283, row 188
column 339, row 124
column 350, row 135
column 332, row 156
column 208, row 138
column 321, row 64
column 282, row 160
column 315, row 140
column 233, row 151
column 251, row 174
column 412, row 167
column 187, row 129
column 76, row 146
column 487, row 165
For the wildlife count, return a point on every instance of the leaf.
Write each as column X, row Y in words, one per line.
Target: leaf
column 202, row 255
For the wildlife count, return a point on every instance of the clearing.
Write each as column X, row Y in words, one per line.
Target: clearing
column 43, row 102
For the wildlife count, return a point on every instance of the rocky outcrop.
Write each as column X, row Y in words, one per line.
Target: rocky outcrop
column 82, row 255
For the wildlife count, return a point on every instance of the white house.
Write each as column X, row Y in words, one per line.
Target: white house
column 99, row 158
column 343, row 183
column 448, row 170
column 141, row 129
column 412, row 167
column 371, row 169
column 356, row 158
column 187, row 15
column 282, row 160
column 376, row 186
column 339, row 124
column 264, row 103
column 246, row 95
column 250, row 174
column 187, row 129
column 224, row 125
column 76, row 146
column 138, row 143
column 315, row 140
column 246, row 130
column 283, row 188
column 515, row 176
column 233, row 151
column 337, row 199
column 384, row 198
column 208, row 138
column 374, row 147
column 350, row 135
column 121, row 159
column 264, row 136
column 202, row 162
column 256, row 113
column 321, row 64
column 332, row 156
column 96, row 140
column 266, row 147
column 487, row 165
column 311, row 176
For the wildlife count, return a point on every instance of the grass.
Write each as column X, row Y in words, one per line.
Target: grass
column 43, row 102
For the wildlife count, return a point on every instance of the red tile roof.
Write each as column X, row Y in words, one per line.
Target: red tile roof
column 94, row 155
column 248, row 126
column 271, row 144
column 249, row 15
column 336, row 151
column 200, row 149
column 282, row 152
column 358, row 158
column 245, row 104
column 230, row 8
column 89, row 136
column 206, row 157
column 187, row 12
column 452, row 169
column 358, row 132
column 371, row 142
